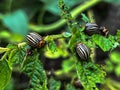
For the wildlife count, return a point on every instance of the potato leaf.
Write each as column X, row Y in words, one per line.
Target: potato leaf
column 104, row 43
column 54, row 85
column 17, row 22
column 5, row 74
column 90, row 74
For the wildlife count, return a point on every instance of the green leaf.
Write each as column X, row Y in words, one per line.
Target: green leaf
column 10, row 85
column 70, row 87
column 34, row 69
column 68, row 65
column 109, row 65
column 66, row 34
column 85, row 18
column 90, row 74
column 52, row 46
column 60, row 50
column 16, row 56
column 54, row 85
column 104, row 43
column 17, row 22
column 52, row 55
column 5, row 34
column 117, row 70
column 113, row 41
column 114, row 57
column 5, row 74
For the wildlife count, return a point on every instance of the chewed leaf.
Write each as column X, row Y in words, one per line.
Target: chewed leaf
column 104, row 43
column 34, row 69
column 90, row 75
column 17, row 22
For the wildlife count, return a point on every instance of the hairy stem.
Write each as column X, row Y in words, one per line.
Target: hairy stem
column 75, row 12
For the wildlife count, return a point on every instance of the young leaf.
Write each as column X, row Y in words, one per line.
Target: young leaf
column 104, row 43
column 54, row 85
column 52, row 46
column 61, row 50
column 85, row 18
column 67, row 34
column 17, row 22
column 5, row 74
column 90, row 74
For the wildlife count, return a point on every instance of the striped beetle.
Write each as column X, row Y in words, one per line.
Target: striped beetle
column 35, row 40
column 82, row 51
column 93, row 28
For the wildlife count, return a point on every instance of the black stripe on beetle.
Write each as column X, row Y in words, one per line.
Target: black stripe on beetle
column 82, row 51
column 93, row 28
column 35, row 40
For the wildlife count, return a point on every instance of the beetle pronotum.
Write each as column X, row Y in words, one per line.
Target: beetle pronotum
column 93, row 28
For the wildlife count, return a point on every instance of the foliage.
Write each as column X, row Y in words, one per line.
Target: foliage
column 62, row 46
column 12, row 22
column 33, row 68
column 90, row 74
column 5, row 73
column 54, row 85
column 113, row 60
column 70, row 87
column 105, row 43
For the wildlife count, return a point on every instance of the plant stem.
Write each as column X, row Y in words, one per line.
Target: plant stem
column 53, row 37
column 22, row 44
column 10, row 5
column 75, row 12
column 4, row 56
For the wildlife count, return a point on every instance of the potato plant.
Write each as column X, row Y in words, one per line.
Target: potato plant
column 75, row 46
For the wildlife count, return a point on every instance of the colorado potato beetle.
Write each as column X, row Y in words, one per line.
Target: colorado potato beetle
column 93, row 28
column 35, row 40
column 83, row 51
